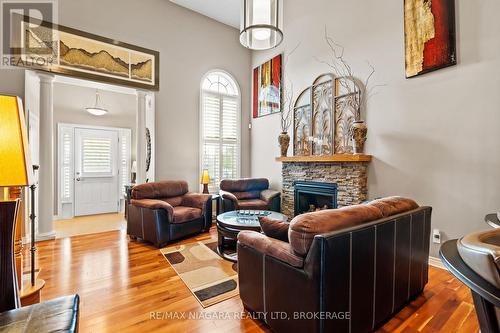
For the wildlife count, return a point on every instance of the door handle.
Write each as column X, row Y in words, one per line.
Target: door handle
column 78, row 179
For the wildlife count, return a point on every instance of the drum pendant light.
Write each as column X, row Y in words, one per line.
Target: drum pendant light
column 261, row 24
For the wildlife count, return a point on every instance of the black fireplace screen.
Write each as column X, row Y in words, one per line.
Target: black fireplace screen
column 314, row 196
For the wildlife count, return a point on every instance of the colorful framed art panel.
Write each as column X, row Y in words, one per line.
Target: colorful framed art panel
column 267, row 87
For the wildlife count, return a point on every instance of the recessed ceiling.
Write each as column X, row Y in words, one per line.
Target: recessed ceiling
column 225, row 11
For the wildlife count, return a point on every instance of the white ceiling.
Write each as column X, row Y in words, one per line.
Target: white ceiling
column 225, row 11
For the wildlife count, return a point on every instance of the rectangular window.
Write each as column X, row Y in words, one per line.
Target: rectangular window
column 97, row 156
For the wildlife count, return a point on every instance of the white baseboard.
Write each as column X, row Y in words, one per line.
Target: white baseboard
column 436, row 262
column 46, row 236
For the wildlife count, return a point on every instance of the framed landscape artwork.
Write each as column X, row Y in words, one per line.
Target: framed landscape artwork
column 81, row 54
column 267, row 88
column 430, row 41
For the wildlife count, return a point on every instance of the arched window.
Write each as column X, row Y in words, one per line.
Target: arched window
column 220, row 127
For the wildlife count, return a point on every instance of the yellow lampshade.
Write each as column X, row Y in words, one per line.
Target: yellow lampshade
column 205, row 178
column 15, row 162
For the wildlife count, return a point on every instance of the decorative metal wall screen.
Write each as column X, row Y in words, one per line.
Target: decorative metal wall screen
column 323, row 116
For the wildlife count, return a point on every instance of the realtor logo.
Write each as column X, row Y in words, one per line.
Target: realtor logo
column 19, row 46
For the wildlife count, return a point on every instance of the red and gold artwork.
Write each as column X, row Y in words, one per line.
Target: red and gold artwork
column 429, row 35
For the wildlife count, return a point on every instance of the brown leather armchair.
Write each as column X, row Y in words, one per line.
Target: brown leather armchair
column 249, row 193
column 163, row 211
column 343, row 270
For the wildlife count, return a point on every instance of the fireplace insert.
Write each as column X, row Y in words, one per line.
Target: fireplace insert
column 314, row 196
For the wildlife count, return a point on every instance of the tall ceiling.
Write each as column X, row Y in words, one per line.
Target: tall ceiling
column 225, row 11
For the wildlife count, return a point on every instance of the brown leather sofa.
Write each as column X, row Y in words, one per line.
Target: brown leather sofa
column 343, row 270
column 164, row 211
column 248, row 193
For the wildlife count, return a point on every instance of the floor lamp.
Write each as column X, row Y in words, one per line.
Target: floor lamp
column 15, row 171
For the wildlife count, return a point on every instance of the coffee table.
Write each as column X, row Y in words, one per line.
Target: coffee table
column 230, row 224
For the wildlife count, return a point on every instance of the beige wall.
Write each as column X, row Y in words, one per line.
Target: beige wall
column 190, row 45
column 434, row 138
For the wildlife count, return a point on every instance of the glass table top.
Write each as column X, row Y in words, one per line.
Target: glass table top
column 247, row 219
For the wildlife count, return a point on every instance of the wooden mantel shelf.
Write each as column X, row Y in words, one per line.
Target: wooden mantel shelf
column 338, row 158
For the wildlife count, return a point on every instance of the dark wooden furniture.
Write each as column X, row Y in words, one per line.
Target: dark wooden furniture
column 486, row 296
column 9, row 297
column 57, row 315
column 229, row 225
column 216, row 198
column 128, row 197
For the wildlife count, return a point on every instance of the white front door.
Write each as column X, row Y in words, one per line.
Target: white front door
column 96, row 171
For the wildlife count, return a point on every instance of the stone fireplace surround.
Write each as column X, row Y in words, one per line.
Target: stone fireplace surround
column 349, row 172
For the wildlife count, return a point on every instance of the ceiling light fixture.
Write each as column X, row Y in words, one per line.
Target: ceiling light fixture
column 261, row 24
column 96, row 110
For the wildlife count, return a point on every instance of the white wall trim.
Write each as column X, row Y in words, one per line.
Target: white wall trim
column 436, row 262
column 46, row 236
column 94, row 85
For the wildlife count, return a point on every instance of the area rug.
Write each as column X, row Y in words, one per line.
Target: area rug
column 210, row 278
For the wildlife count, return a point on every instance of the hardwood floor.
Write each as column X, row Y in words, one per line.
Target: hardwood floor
column 125, row 284
column 91, row 224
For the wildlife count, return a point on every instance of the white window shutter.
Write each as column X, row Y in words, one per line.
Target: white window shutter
column 97, row 156
column 125, row 161
column 220, row 130
column 66, row 163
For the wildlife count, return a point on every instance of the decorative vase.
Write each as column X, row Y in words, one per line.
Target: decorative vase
column 284, row 141
column 358, row 136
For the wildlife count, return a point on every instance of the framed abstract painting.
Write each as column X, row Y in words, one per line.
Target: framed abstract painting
column 267, row 88
column 430, row 41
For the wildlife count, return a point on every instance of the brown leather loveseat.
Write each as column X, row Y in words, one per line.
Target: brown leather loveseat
column 163, row 211
column 343, row 270
column 249, row 193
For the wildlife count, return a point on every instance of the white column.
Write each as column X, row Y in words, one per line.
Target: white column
column 141, row 136
column 150, row 124
column 46, row 171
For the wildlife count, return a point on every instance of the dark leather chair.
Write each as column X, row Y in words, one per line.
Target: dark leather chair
column 57, row 315
column 164, row 211
column 343, row 270
column 248, row 193
column 475, row 261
